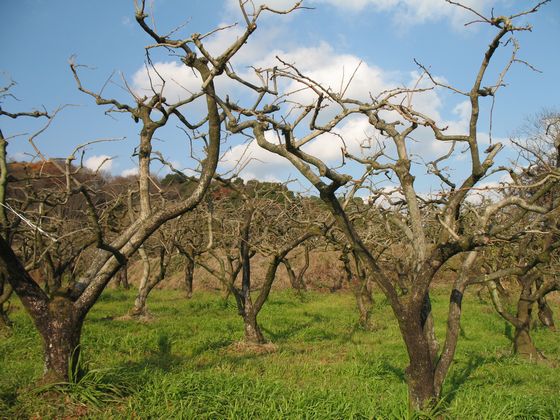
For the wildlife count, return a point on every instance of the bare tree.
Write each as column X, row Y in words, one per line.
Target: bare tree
column 6, row 227
column 528, row 261
column 163, row 250
column 255, row 205
column 192, row 243
column 427, row 246
column 297, row 280
column 59, row 318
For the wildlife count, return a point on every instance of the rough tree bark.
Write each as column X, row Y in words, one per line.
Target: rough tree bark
column 5, row 294
column 144, row 287
column 546, row 316
column 122, row 278
column 361, row 287
column 58, row 321
column 188, row 275
column 522, row 342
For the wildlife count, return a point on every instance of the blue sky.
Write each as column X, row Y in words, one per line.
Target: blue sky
column 38, row 36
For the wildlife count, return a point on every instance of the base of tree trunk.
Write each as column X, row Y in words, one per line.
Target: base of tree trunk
column 242, row 347
column 421, row 392
column 141, row 315
column 61, row 343
column 253, row 333
column 366, row 322
column 525, row 348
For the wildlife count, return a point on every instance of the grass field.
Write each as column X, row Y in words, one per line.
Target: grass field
column 186, row 364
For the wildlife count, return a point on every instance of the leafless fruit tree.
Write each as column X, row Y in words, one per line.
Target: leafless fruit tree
column 7, row 226
column 261, row 222
column 529, row 261
column 428, row 246
column 59, row 318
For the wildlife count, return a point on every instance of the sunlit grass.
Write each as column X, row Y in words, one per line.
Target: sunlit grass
column 184, row 364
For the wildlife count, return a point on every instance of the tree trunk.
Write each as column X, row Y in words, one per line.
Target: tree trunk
column 146, row 286
column 522, row 342
column 247, row 310
column 364, row 302
column 253, row 333
column 298, row 281
column 427, row 322
column 139, row 309
column 546, row 316
column 420, row 374
column 189, row 274
column 453, row 322
column 362, row 287
column 61, row 341
column 5, row 294
column 5, row 323
column 122, row 278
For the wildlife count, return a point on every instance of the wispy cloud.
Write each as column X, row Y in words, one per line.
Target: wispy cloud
column 129, row 172
column 99, row 162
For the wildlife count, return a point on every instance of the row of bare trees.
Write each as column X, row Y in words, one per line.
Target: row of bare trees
column 56, row 214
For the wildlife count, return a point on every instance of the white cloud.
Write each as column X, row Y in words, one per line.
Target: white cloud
column 354, row 135
column 99, row 162
column 485, row 191
column 405, row 12
column 129, row 172
column 258, row 163
column 180, row 81
column 335, row 71
column 414, row 12
column 340, row 73
column 255, row 162
column 273, row 4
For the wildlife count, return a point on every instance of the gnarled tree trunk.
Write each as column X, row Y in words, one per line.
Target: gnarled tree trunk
column 420, row 373
column 146, row 286
column 361, row 287
column 546, row 316
column 121, row 278
column 61, row 332
column 253, row 333
column 5, row 294
column 139, row 309
column 189, row 275
column 522, row 342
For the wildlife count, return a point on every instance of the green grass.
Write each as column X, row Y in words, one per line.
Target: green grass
column 183, row 364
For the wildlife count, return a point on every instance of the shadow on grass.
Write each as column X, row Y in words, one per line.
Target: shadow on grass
column 160, row 359
column 287, row 333
column 114, row 296
column 210, row 345
column 205, row 307
column 295, row 328
column 459, row 376
column 8, row 398
column 390, row 370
